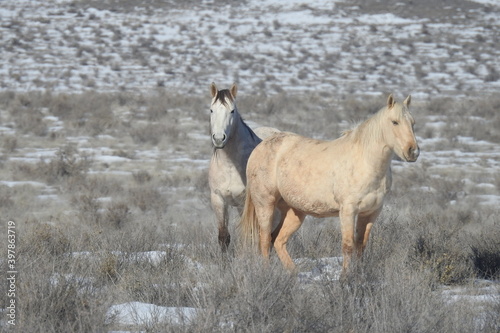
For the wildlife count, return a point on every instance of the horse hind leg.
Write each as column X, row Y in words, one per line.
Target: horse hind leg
column 291, row 222
column 265, row 216
column 283, row 209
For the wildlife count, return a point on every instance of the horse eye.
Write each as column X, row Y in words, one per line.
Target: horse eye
column 232, row 111
column 211, row 111
column 395, row 123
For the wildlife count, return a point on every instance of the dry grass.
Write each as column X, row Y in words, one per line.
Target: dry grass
column 90, row 247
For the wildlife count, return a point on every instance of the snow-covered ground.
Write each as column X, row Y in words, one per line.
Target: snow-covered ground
column 293, row 45
column 144, row 314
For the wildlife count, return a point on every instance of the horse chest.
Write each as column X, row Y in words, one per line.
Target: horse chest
column 364, row 191
column 371, row 202
column 373, row 196
column 228, row 183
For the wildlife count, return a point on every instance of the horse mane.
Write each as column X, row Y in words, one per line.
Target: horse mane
column 224, row 96
column 366, row 131
column 252, row 133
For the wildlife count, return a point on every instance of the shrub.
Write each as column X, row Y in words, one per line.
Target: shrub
column 438, row 250
column 150, row 133
column 67, row 164
column 56, row 303
column 485, row 254
column 88, row 208
column 29, row 119
column 9, row 143
column 142, row 176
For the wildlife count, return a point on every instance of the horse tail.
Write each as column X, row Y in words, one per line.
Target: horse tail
column 249, row 225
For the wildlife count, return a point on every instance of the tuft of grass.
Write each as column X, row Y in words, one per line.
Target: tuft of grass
column 117, row 214
column 147, row 198
column 9, row 143
column 108, row 267
column 88, row 208
column 46, row 239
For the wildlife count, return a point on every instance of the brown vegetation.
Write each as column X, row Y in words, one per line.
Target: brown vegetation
column 86, row 223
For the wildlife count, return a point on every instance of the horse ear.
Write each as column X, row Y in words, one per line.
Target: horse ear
column 390, row 101
column 407, row 101
column 213, row 89
column 234, row 90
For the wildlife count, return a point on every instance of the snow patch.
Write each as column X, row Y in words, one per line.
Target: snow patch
column 144, row 314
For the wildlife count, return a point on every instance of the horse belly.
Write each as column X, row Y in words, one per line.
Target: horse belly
column 305, row 181
column 315, row 206
column 308, row 196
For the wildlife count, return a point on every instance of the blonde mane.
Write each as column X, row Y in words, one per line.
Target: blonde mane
column 366, row 131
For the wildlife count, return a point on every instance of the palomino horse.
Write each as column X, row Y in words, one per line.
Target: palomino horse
column 348, row 177
column 233, row 141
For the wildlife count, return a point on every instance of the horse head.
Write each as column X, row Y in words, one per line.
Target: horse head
column 223, row 114
column 399, row 133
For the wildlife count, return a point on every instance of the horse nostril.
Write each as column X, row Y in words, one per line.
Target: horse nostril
column 224, row 137
column 413, row 152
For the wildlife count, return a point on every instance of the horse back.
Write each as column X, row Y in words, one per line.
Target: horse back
column 264, row 132
column 276, row 171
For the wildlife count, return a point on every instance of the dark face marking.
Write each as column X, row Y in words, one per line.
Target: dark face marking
column 224, row 96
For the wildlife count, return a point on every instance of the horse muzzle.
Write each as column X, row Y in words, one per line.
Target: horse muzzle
column 412, row 154
column 219, row 142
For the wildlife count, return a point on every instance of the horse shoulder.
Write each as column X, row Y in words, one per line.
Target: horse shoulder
column 354, row 180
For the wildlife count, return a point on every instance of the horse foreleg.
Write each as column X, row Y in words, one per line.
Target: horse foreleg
column 363, row 228
column 220, row 209
column 292, row 220
column 348, row 217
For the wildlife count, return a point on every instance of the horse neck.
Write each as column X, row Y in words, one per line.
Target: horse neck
column 371, row 138
column 240, row 144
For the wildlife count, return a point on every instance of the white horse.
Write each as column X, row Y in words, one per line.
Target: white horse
column 233, row 141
